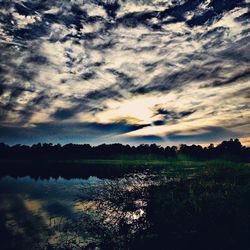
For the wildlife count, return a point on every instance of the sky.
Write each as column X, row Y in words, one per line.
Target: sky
column 108, row 71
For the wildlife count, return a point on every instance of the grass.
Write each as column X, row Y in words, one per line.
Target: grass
column 206, row 212
column 170, row 163
column 181, row 166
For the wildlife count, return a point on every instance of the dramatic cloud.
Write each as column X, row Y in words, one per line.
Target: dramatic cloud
column 124, row 71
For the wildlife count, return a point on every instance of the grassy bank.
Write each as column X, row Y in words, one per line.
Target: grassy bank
column 106, row 168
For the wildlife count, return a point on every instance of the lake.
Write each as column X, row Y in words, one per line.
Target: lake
column 205, row 207
column 34, row 213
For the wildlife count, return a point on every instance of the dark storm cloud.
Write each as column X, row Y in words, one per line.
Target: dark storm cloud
column 74, row 15
column 178, row 14
column 238, row 77
column 172, row 115
column 88, row 75
column 217, row 7
column 137, row 18
column 210, row 134
column 214, row 37
column 111, row 7
column 67, row 14
column 106, row 93
column 60, row 132
column 159, row 122
column 123, row 79
column 66, row 113
column 149, row 67
column 201, row 19
column 209, row 72
column 220, row 6
column 105, row 45
column 40, row 101
column 31, row 31
column 215, row 33
column 2, row 88
column 17, row 79
column 22, row 9
column 239, row 51
column 31, row 7
column 244, row 93
column 89, row 103
column 244, row 17
column 43, row 133
column 121, row 126
column 145, row 139
column 15, row 92
column 168, row 82
column 37, row 59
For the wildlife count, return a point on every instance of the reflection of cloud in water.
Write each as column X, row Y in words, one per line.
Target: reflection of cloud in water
column 33, row 212
column 52, row 211
column 35, row 207
column 20, row 227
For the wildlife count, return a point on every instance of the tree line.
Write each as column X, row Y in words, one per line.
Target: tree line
column 232, row 150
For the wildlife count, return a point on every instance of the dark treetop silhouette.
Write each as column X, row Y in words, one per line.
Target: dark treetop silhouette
column 231, row 150
column 81, row 161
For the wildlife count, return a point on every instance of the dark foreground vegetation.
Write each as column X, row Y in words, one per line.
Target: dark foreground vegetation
column 207, row 212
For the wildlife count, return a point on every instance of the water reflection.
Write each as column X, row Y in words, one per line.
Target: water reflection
column 30, row 209
column 59, row 213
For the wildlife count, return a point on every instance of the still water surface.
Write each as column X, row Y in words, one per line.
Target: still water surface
column 29, row 208
column 33, row 212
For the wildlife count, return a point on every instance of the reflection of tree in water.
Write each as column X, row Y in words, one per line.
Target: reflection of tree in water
column 112, row 217
column 119, row 208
